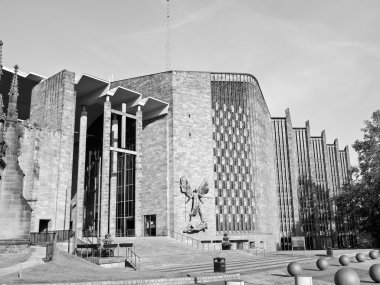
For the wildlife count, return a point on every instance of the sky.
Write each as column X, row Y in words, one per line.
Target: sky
column 320, row 59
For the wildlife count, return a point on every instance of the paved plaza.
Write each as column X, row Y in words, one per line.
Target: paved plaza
column 165, row 259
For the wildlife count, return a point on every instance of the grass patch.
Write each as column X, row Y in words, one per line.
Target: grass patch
column 69, row 268
column 7, row 260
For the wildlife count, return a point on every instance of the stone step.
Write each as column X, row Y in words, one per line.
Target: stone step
column 233, row 267
column 168, row 255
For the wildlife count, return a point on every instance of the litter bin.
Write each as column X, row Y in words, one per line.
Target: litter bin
column 329, row 252
column 219, row 264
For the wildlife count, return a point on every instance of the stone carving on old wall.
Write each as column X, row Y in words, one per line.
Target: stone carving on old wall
column 195, row 195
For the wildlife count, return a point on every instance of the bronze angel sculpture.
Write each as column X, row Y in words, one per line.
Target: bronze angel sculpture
column 196, row 196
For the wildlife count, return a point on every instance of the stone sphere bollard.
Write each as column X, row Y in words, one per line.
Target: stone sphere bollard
column 294, row 268
column 374, row 272
column 373, row 254
column 344, row 260
column 346, row 276
column 322, row 263
column 360, row 257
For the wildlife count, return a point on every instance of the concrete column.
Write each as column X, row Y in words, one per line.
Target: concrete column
column 81, row 174
column 105, row 168
column 113, row 180
column 123, row 124
column 138, row 175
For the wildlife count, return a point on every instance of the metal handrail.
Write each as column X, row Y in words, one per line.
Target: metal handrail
column 50, row 236
column 133, row 258
column 176, row 235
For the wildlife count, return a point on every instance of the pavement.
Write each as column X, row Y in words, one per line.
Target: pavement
column 254, row 270
column 280, row 275
column 37, row 254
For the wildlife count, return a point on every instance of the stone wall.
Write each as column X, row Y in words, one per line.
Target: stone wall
column 47, row 150
column 190, row 151
column 158, row 86
column 192, row 147
column 264, row 167
column 154, row 196
column 286, row 167
column 15, row 212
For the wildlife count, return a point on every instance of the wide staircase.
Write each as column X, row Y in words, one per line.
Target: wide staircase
column 166, row 254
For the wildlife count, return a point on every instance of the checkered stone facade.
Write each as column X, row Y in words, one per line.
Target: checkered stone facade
column 232, row 147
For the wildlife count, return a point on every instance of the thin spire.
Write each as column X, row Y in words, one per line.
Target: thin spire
column 168, row 35
column 1, row 73
column 2, row 116
column 13, row 94
column 1, row 59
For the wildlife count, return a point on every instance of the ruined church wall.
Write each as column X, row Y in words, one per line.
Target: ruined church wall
column 15, row 212
column 50, row 139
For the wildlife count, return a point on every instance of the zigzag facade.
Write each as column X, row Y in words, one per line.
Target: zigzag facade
column 310, row 173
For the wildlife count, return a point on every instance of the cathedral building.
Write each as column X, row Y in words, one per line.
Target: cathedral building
column 195, row 153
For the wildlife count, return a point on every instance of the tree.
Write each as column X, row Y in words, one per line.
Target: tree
column 360, row 198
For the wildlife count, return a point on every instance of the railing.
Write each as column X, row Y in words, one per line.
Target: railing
column 95, row 252
column 49, row 237
column 133, row 259
column 127, row 233
column 189, row 240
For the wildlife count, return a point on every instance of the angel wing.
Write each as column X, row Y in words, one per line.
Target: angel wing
column 185, row 187
column 203, row 189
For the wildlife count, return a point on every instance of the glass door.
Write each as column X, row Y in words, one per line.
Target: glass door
column 150, row 225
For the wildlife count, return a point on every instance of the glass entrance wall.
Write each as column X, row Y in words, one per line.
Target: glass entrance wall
column 92, row 183
column 125, row 195
column 92, row 194
column 130, row 133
